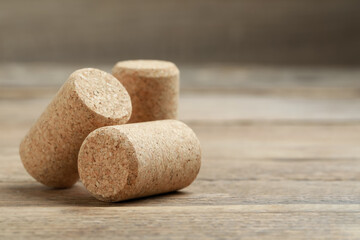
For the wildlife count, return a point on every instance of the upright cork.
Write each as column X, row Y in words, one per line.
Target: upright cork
column 89, row 99
column 135, row 160
column 153, row 87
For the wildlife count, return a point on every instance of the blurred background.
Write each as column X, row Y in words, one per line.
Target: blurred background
column 46, row 38
column 202, row 31
column 233, row 48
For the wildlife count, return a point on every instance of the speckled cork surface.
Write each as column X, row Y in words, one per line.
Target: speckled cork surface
column 153, row 86
column 89, row 99
column 141, row 159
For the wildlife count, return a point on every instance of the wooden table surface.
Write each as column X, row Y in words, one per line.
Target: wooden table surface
column 281, row 159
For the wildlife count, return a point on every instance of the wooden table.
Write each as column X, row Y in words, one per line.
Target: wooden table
column 281, row 159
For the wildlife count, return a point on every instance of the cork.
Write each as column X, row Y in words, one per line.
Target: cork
column 153, row 86
column 89, row 99
column 141, row 159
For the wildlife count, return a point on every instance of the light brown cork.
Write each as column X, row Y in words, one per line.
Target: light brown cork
column 153, row 87
column 135, row 160
column 89, row 99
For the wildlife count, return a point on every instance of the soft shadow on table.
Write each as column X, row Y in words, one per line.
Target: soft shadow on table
column 33, row 194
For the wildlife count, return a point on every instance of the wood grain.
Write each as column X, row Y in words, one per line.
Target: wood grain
column 242, row 221
column 224, row 109
column 273, row 167
column 35, row 79
column 279, row 192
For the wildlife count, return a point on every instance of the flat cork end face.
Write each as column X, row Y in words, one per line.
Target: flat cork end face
column 107, row 164
column 146, row 68
column 103, row 94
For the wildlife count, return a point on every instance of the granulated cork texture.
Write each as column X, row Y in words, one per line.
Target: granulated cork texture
column 89, row 99
column 153, row 87
column 141, row 159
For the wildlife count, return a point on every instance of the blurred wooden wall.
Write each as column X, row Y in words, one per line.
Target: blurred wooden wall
column 240, row 31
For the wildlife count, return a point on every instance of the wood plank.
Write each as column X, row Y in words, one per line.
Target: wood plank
column 257, row 141
column 208, row 222
column 270, row 179
column 282, row 142
column 217, row 108
column 26, row 80
column 314, row 82
column 264, row 152
column 280, row 170
column 240, row 169
column 200, row 193
column 235, row 179
column 227, row 108
column 305, row 176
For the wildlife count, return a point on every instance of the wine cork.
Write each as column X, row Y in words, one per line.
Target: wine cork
column 153, row 87
column 141, row 159
column 89, row 99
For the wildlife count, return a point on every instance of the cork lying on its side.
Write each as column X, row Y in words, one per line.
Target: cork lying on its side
column 153, row 87
column 141, row 159
column 89, row 99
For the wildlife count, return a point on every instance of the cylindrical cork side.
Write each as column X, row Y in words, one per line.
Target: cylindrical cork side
column 153, row 87
column 136, row 160
column 89, row 99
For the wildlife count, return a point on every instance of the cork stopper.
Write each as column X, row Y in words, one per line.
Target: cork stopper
column 153, row 86
column 136, row 160
column 89, row 99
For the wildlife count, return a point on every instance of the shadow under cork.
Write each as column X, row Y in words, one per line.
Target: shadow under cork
column 34, row 194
